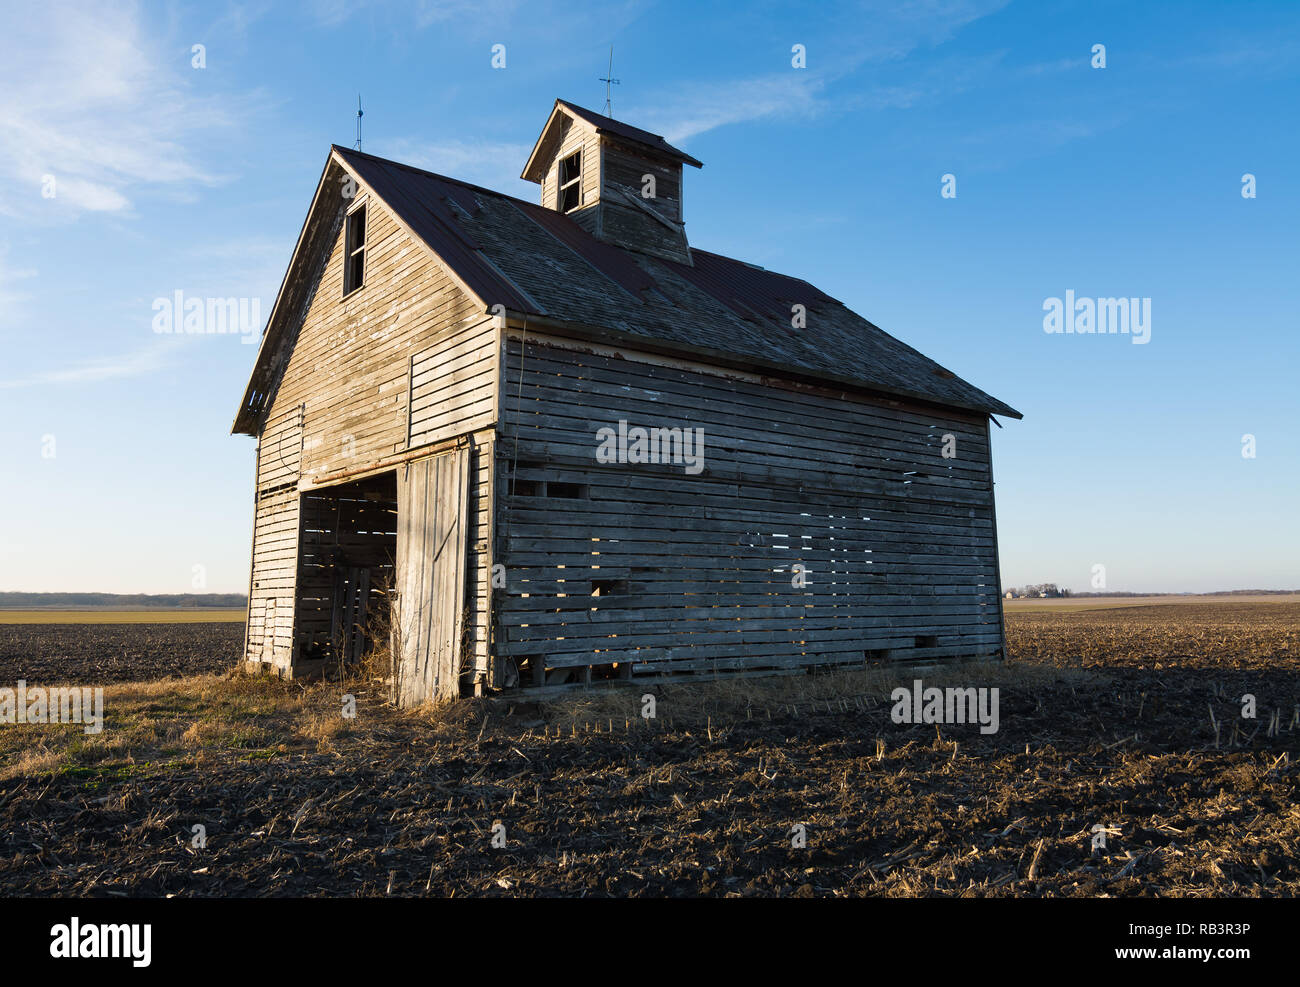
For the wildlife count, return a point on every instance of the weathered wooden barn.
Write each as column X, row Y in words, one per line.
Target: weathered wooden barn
column 561, row 445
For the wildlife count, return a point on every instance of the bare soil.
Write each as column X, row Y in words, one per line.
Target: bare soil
column 97, row 654
column 1107, row 718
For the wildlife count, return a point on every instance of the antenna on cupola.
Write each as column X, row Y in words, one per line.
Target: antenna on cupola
column 609, row 81
column 359, row 116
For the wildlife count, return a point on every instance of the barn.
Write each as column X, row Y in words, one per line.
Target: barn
column 551, row 445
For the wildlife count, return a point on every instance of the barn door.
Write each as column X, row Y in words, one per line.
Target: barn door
column 432, row 500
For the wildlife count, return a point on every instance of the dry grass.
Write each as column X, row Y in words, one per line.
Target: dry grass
column 150, row 726
column 732, row 699
column 153, row 727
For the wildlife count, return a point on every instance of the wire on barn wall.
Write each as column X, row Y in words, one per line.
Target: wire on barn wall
column 519, row 398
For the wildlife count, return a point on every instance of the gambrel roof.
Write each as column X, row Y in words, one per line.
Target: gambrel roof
column 536, row 262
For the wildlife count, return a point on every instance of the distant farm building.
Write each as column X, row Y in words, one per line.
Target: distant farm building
column 561, row 445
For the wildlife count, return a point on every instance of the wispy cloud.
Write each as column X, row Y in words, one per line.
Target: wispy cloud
column 99, row 106
column 570, row 27
column 1074, row 64
column 882, row 35
column 141, row 362
column 12, row 297
column 691, row 110
column 332, row 13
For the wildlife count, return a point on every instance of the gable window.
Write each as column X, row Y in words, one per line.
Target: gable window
column 571, row 182
column 354, row 257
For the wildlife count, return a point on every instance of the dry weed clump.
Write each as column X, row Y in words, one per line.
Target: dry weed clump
column 729, row 700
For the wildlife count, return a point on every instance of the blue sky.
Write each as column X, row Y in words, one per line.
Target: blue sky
column 120, row 474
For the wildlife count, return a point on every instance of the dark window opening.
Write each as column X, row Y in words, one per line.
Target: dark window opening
column 927, row 641
column 608, row 587
column 354, row 260
column 523, row 488
column 567, row 491
column 571, row 182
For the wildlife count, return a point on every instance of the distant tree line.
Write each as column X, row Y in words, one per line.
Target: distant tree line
column 1051, row 589
column 146, row 601
column 1038, row 589
column 1217, row 592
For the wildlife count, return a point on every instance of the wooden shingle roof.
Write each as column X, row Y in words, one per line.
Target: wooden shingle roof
column 647, row 142
column 537, row 262
column 617, row 128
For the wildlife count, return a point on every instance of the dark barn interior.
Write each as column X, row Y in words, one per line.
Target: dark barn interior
column 345, row 569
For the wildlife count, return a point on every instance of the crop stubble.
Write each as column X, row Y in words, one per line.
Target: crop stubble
column 1105, row 720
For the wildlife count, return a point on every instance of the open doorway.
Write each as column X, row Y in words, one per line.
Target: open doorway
column 347, row 547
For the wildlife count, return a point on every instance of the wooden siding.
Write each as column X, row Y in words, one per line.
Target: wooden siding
column 344, row 406
column 479, row 545
column 275, row 557
column 624, row 224
column 432, row 509
column 582, row 137
column 279, row 452
column 269, row 635
column 611, row 172
column 453, row 385
column 350, row 364
column 623, row 171
column 694, row 572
